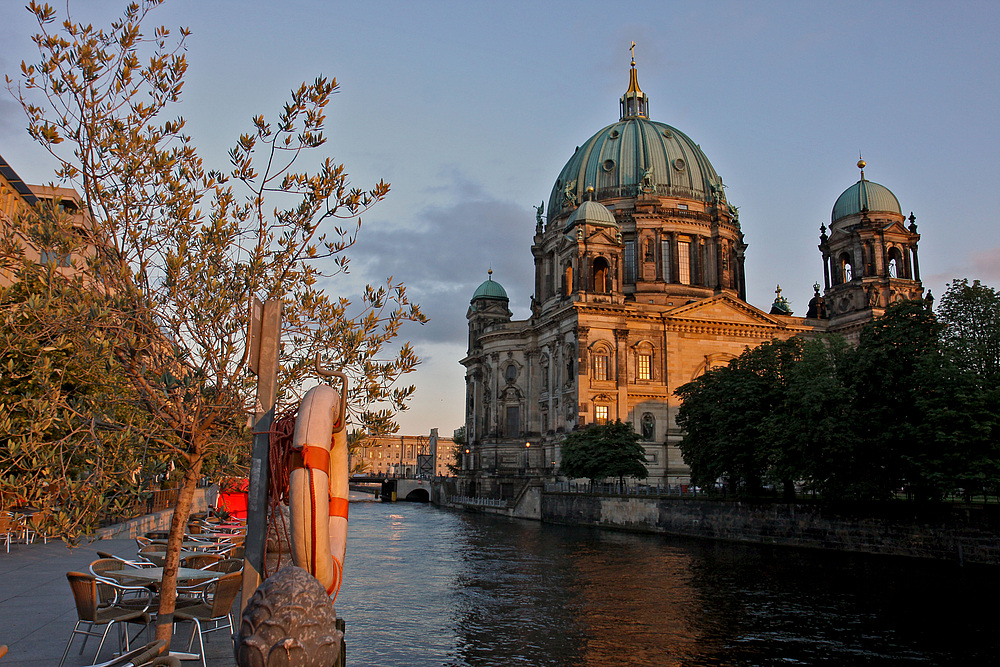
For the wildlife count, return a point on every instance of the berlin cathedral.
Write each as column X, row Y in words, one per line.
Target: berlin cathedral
column 639, row 289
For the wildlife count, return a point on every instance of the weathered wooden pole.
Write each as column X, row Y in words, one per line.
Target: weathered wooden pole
column 265, row 341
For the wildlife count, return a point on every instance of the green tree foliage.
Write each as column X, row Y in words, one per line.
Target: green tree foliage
column 729, row 428
column 180, row 250
column 601, row 451
column 971, row 318
column 455, row 465
column 898, row 412
column 70, row 426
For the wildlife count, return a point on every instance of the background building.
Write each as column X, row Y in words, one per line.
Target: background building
column 405, row 456
column 17, row 198
column 640, row 288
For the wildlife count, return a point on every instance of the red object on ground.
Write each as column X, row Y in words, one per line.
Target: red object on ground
column 233, row 498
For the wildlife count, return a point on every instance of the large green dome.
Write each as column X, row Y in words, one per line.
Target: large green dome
column 865, row 195
column 615, row 162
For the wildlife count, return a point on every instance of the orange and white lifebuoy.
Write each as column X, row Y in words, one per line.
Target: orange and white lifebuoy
column 318, row 486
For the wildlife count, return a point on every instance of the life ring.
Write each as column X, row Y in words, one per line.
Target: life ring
column 318, row 486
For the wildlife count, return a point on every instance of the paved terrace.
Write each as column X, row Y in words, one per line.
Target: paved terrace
column 37, row 612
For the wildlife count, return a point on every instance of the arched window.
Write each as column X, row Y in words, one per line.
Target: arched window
column 846, row 270
column 648, row 427
column 895, row 263
column 601, row 363
column 644, row 361
column 602, row 276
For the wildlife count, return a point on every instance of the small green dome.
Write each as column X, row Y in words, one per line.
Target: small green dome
column 490, row 289
column 592, row 213
column 868, row 196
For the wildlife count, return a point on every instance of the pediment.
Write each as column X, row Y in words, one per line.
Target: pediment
column 723, row 308
column 896, row 228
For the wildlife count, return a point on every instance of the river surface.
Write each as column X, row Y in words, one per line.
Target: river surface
column 426, row 586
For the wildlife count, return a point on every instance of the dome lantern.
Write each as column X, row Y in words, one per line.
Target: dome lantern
column 634, row 103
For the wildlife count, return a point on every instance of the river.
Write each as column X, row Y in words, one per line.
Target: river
column 426, row 587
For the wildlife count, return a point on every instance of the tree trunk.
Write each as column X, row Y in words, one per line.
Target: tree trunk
column 178, row 526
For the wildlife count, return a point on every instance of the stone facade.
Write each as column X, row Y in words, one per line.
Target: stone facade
column 640, row 288
column 960, row 534
column 401, row 455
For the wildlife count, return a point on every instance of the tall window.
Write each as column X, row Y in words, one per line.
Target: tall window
column 684, row 262
column 630, row 262
column 644, row 367
column 602, row 276
column 602, row 366
column 846, row 270
column 665, row 254
column 895, row 263
column 600, row 414
column 513, row 425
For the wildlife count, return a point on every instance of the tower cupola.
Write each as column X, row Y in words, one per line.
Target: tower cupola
column 634, row 103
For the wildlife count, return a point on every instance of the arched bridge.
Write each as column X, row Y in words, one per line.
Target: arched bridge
column 392, row 489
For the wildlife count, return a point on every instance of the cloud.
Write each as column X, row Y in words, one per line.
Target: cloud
column 442, row 253
column 986, row 266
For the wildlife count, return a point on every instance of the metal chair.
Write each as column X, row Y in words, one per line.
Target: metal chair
column 84, row 587
column 227, row 565
column 7, row 528
column 216, row 611
column 124, row 561
column 200, row 561
column 115, row 594
column 154, row 554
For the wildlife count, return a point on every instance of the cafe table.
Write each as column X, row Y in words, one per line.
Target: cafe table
column 155, row 574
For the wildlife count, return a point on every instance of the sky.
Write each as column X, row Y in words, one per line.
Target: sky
column 470, row 110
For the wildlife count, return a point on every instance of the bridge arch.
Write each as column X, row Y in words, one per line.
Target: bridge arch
column 419, row 495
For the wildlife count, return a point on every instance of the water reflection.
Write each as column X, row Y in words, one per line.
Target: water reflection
column 428, row 587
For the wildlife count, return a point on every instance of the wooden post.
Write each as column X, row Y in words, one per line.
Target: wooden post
column 265, row 340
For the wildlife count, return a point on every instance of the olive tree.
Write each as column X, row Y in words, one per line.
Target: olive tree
column 180, row 249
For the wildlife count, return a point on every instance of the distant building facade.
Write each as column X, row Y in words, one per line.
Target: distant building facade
column 639, row 289
column 17, row 198
column 405, row 456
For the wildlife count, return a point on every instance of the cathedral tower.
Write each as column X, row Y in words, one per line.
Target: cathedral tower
column 869, row 256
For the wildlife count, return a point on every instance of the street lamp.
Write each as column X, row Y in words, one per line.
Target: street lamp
column 527, row 455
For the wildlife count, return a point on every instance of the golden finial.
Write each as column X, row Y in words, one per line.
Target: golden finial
column 490, row 272
column 632, row 51
column 861, row 165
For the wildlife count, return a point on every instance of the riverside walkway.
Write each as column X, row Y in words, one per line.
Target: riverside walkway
column 37, row 612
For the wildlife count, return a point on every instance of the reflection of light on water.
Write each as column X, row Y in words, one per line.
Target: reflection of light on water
column 425, row 587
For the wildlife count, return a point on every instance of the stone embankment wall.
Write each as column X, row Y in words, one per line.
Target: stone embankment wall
column 965, row 534
column 204, row 499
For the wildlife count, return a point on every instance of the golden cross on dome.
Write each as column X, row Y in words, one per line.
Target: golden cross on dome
column 632, row 51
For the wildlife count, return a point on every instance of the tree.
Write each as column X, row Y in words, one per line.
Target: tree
column 181, row 250
column 971, row 318
column 69, row 423
column 455, row 465
column 356, row 441
column 728, row 415
column 604, row 450
column 813, row 427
